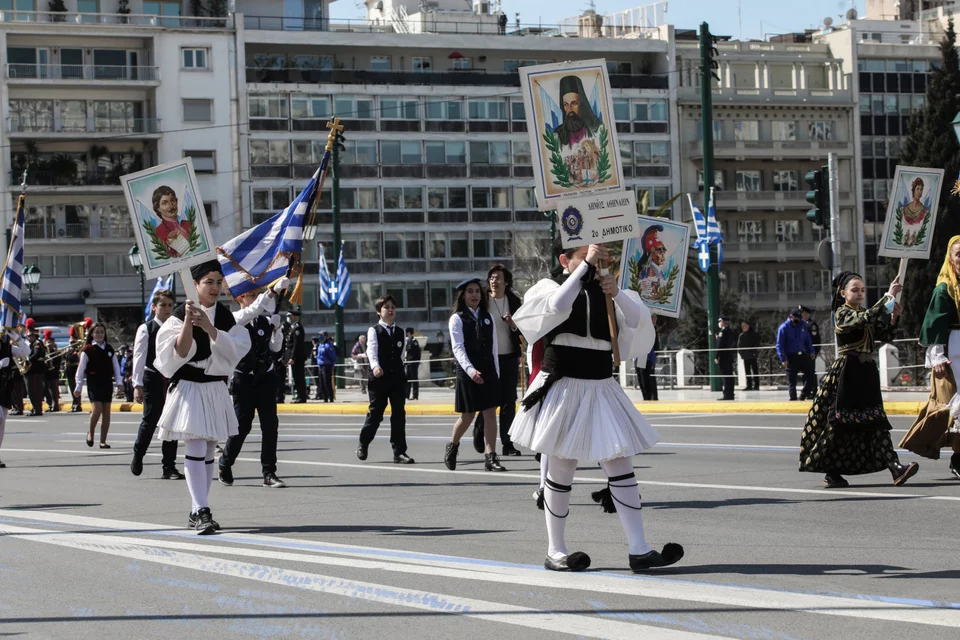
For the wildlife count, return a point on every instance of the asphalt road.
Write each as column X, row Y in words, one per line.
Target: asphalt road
column 375, row 550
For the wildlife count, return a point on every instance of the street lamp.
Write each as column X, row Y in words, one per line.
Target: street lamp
column 137, row 263
column 31, row 278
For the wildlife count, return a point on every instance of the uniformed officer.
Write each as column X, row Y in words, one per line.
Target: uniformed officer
column 726, row 356
column 296, row 355
column 36, row 375
column 812, row 328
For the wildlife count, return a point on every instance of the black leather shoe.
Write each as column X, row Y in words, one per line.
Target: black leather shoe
column 835, row 481
column 172, row 474
column 902, row 473
column 136, row 465
column 510, row 450
column 450, row 456
column 224, row 474
column 478, row 443
column 671, row 554
column 576, row 561
column 362, row 451
column 492, row 463
column 403, row 459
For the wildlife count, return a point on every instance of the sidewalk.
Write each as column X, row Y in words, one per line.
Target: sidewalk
column 439, row 401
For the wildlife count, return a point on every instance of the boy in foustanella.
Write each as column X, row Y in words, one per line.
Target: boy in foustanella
column 726, row 356
column 172, row 232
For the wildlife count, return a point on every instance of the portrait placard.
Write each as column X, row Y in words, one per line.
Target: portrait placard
column 573, row 141
column 598, row 219
column 655, row 264
column 911, row 213
column 168, row 218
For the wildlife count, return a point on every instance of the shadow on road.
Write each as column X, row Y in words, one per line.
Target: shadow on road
column 384, row 529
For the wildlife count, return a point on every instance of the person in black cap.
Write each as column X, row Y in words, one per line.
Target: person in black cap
column 198, row 348
column 579, row 120
column 795, row 351
column 812, row 328
column 411, row 362
column 473, row 340
column 296, row 355
column 726, row 356
column 748, row 344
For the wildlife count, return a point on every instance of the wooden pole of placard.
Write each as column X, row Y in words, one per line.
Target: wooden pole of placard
column 189, row 288
column 611, row 316
column 902, row 273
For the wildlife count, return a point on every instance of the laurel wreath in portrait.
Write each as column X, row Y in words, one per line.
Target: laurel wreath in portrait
column 561, row 173
column 156, row 244
column 898, row 236
column 665, row 293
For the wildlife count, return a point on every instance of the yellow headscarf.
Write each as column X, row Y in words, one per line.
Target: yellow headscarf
column 949, row 277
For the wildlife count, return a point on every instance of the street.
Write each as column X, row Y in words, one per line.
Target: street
column 371, row 549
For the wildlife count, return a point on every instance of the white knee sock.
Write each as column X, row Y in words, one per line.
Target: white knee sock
column 209, row 460
column 623, row 488
column 195, row 468
column 544, row 464
column 557, row 503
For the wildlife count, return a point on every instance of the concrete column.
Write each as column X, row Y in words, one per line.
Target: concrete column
column 889, row 364
column 741, row 373
column 831, row 76
column 766, row 74
column 727, row 75
column 757, row 76
column 803, row 76
column 685, row 368
column 794, row 77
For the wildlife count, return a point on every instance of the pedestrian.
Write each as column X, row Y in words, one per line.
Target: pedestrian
column 411, row 363
column 280, row 367
column 296, row 354
column 313, row 370
column 748, row 344
column 795, row 352
column 648, row 374
column 36, row 373
column 71, row 362
column 54, row 361
column 575, row 410
column 126, row 370
column 361, row 366
column 150, row 388
column 503, row 303
column 502, row 23
column 387, row 383
column 812, row 328
column 326, row 361
column 726, row 356
column 12, row 346
column 847, row 431
column 252, row 385
column 473, row 341
column 99, row 367
column 198, row 347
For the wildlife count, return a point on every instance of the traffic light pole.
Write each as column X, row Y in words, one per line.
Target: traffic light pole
column 834, row 212
column 713, row 274
column 337, row 309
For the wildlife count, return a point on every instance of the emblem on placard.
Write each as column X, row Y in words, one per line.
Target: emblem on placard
column 572, row 222
column 259, row 332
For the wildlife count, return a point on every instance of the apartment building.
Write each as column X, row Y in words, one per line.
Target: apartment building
column 91, row 94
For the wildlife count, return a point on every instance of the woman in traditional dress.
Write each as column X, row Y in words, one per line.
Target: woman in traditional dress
column 98, row 364
column 847, row 431
column 11, row 347
column 473, row 341
column 198, row 348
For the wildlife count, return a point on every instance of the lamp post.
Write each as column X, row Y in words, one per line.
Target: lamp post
column 31, row 278
column 137, row 263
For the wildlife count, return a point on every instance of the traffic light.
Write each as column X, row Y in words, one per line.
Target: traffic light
column 709, row 52
column 819, row 197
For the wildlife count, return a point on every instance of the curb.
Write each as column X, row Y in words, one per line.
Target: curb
column 899, row 408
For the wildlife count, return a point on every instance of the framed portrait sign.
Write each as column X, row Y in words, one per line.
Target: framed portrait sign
column 168, row 218
column 911, row 213
column 655, row 264
column 573, row 140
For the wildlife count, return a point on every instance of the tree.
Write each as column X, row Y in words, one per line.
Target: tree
column 57, row 6
column 932, row 143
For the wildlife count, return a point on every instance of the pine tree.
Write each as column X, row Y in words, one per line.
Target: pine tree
column 932, row 143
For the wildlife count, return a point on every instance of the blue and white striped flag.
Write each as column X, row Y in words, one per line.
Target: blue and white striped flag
column 328, row 288
column 11, row 311
column 713, row 229
column 343, row 280
column 699, row 222
column 262, row 254
column 157, row 287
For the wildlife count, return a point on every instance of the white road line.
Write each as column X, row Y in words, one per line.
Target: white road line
column 371, row 558
column 135, row 549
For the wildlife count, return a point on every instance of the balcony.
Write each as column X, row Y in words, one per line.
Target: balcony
column 128, row 20
column 88, row 128
column 64, row 181
column 470, row 78
column 750, row 95
column 770, row 251
column 782, row 300
column 76, row 74
column 774, row 149
column 773, row 200
column 77, row 231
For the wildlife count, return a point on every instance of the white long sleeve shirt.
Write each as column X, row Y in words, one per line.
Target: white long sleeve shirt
column 141, row 345
column 373, row 345
column 460, row 351
column 82, row 369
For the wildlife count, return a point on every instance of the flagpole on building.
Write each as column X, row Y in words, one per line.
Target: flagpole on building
column 334, row 142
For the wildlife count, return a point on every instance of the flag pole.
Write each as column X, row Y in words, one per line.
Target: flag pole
column 334, row 141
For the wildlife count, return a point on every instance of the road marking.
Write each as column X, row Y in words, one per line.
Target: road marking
column 371, row 558
column 540, row 619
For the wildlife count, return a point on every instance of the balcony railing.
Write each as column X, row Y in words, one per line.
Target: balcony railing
column 761, row 198
column 475, row 77
column 78, row 179
column 21, row 71
column 88, row 125
column 128, row 19
column 73, row 231
column 804, row 147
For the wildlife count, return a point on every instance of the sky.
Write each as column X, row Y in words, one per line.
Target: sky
column 759, row 17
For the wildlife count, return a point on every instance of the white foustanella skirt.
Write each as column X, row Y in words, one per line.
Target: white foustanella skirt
column 198, row 411
column 588, row 420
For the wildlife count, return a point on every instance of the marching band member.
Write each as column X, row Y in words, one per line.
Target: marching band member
column 11, row 346
column 54, row 359
column 71, row 362
column 36, row 375
column 98, row 364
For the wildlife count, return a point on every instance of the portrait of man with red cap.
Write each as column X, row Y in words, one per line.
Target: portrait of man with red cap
column 652, row 261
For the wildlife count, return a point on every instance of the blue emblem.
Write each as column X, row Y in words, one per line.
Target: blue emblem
column 572, row 223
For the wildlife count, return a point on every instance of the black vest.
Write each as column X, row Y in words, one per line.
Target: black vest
column 576, row 323
column 390, row 349
column 258, row 360
column 222, row 320
column 478, row 339
column 153, row 328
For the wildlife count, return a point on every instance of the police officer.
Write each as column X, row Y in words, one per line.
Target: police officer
column 726, row 356
column 812, row 328
column 253, row 386
column 296, row 356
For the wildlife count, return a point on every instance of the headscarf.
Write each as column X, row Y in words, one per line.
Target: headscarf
column 841, row 281
column 949, row 277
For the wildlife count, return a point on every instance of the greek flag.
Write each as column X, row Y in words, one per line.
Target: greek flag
column 702, row 243
column 328, row 288
column 713, row 229
column 157, row 287
column 343, row 280
column 11, row 311
column 261, row 255
column 699, row 222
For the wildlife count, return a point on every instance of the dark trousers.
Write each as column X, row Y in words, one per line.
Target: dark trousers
column 53, row 389
column 648, row 383
column 36, row 388
column 729, row 381
column 299, row 380
column 801, row 363
column 313, row 372
column 154, row 395
column 326, row 382
column 18, row 392
column 509, row 377
column 252, row 395
column 413, row 384
column 381, row 390
column 280, row 380
column 753, row 374
column 71, row 373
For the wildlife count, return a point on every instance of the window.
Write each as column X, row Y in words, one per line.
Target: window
column 438, row 152
column 864, row 103
column 651, row 152
column 195, row 59
column 919, row 102
column 360, row 152
column 490, row 197
column 354, row 107
column 491, row 244
column 267, row 107
column 821, row 130
column 524, row 198
column 269, row 152
column 784, row 130
column 621, row 110
column 444, row 109
column 31, row 115
column 619, row 68
column 718, row 182
column 517, row 111
column 314, row 63
column 521, row 152
column 203, row 161
column 309, row 152
column 78, row 266
column 169, row 10
column 359, row 199
column 196, row 110
column 395, row 152
column 789, row 281
column 309, row 107
column 750, row 231
column 785, row 181
column 649, row 111
column 487, row 109
column 867, row 189
column 880, row 190
column 752, row 282
column 117, row 116
column 268, row 202
column 423, row 65
column 210, row 210
column 510, row 66
column 880, row 147
column 453, row 244
column 717, row 129
column 439, row 198
column 399, row 109
column 400, row 246
column 462, row 64
column 891, row 104
column 893, row 147
column 788, row 230
column 746, row 130
column 490, row 153
column 748, row 181
column 88, row 6
column 379, row 63
column 402, row 198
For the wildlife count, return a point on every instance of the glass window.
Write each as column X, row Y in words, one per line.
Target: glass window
column 490, row 197
column 892, row 104
column 784, row 130
column 746, row 129
column 31, row 115
column 748, row 181
column 752, row 282
column 517, row 111
column 521, row 152
column 893, row 147
column 269, row 152
column 785, row 181
column 73, row 115
column 360, row 152
column 267, row 107
column 195, row 59
column 399, row 109
column 865, row 103
column 718, row 181
column 379, row 63
column 524, row 198
column 621, row 110
column 457, row 197
column 821, row 130
column 880, row 147
column 422, row 65
column 615, row 67
column 203, row 161
column 444, row 109
column 867, row 189
column 197, row 110
column 919, row 102
column 880, row 190
column 788, row 230
column 170, row 11
column 487, row 109
column 750, row 231
column 461, row 64
column 354, row 107
column 490, row 152
column 309, row 107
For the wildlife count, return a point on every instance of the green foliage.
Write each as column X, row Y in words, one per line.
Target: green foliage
column 923, row 230
column 931, row 143
column 194, row 237
column 156, row 244
column 603, row 164
column 898, row 228
column 634, row 266
column 666, row 291
column 560, row 172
